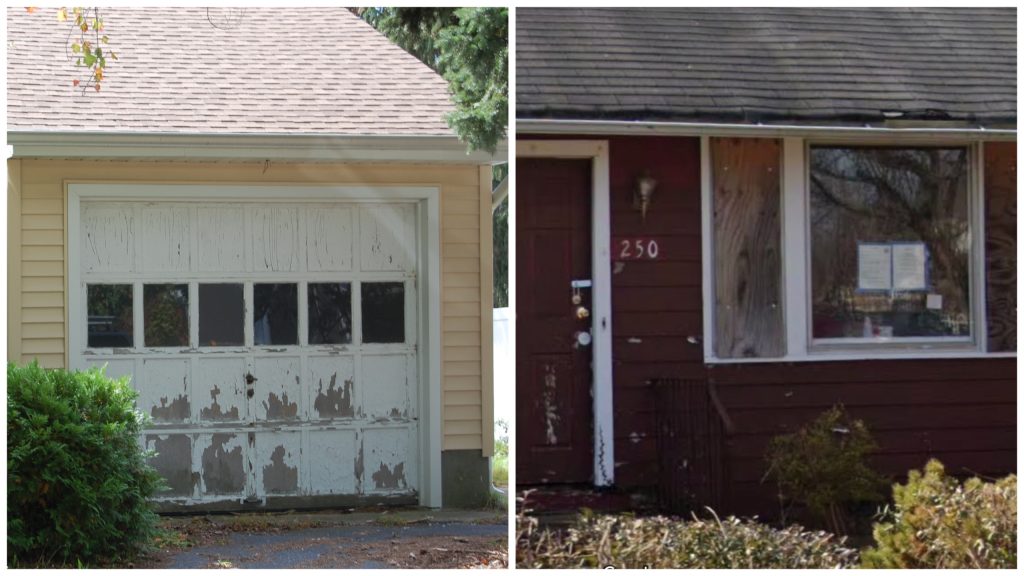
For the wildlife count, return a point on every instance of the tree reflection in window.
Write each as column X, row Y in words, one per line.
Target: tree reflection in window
column 165, row 311
column 276, row 314
column 110, row 315
column 886, row 194
column 330, row 313
column 383, row 312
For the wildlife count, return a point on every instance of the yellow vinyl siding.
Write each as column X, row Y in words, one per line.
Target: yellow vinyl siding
column 37, row 326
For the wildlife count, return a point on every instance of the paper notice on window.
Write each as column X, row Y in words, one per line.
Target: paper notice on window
column 874, row 266
column 909, row 266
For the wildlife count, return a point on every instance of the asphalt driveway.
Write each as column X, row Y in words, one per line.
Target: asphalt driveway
column 390, row 539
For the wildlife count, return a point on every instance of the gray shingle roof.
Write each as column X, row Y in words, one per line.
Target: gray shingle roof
column 278, row 71
column 767, row 64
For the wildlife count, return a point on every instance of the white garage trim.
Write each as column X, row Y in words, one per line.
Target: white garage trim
column 427, row 322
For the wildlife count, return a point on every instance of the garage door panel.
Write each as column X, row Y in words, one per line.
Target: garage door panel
column 277, row 461
column 107, row 238
column 173, row 461
column 249, row 414
column 166, row 239
column 220, row 233
column 222, row 463
column 220, row 389
column 329, row 234
column 278, row 388
column 335, row 466
column 385, row 387
column 333, row 390
column 164, row 390
column 386, row 241
column 275, row 240
column 390, row 465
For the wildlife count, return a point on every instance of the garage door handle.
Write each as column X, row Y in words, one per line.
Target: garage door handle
column 249, row 379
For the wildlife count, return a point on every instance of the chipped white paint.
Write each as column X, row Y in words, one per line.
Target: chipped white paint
column 108, row 238
column 278, row 389
column 334, row 469
column 385, row 233
column 385, row 387
column 329, row 239
column 164, row 390
column 220, row 443
column 220, row 233
column 165, row 239
column 387, row 465
column 219, row 392
column 275, row 239
column 551, row 417
column 333, row 388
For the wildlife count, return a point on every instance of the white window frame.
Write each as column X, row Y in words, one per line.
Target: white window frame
column 796, row 254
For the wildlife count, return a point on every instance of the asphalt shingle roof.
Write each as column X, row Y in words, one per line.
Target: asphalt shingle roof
column 277, row 71
column 767, row 64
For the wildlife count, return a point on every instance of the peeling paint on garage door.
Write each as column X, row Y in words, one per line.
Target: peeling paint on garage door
column 272, row 344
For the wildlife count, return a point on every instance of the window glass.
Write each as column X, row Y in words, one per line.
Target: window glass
column 165, row 311
column 110, row 315
column 275, row 314
column 383, row 312
column 330, row 313
column 221, row 315
column 890, row 242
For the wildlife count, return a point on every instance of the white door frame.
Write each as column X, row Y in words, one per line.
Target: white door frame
column 597, row 152
column 428, row 289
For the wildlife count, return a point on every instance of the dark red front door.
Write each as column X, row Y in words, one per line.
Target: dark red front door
column 554, row 439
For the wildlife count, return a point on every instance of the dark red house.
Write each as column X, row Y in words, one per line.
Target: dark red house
column 729, row 220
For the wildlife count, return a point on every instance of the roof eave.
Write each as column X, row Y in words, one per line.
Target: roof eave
column 621, row 127
column 248, row 147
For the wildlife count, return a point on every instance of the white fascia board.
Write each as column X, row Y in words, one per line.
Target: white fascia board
column 614, row 127
column 242, row 147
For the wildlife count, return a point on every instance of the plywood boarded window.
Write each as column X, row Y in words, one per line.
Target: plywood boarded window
column 1001, row 245
column 747, row 260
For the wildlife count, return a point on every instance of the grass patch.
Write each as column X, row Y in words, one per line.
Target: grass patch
column 499, row 462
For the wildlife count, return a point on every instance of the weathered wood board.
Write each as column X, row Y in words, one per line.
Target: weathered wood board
column 747, row 236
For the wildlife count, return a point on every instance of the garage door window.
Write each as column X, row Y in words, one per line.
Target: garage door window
column 330, row 313
column 276, row 314
column 165, row 310
column 221, row 315
column 110, row 315
column 383, row 312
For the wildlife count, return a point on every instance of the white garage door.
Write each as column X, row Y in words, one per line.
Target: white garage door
column 273, row 344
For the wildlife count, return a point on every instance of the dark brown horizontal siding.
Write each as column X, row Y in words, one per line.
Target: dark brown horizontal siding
column 962, row 412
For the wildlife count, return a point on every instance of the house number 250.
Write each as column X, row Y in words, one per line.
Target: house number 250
column 638, row 249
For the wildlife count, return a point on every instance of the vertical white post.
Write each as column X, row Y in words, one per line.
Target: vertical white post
column 707, row 210
column 604, row 437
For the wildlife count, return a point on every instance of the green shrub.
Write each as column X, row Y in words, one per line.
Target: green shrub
column 824, row 467
column 660, row 542
column 937, row 522
column 77, row 481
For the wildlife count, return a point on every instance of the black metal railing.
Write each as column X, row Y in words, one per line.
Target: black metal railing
column 691, row 429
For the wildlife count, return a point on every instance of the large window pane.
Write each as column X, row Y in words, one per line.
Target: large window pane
column 890, row 242
column 110, row 315
column 221, row 315
column 276, row 314
column 383, row 312
column 165, row 308
column 330, row 313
